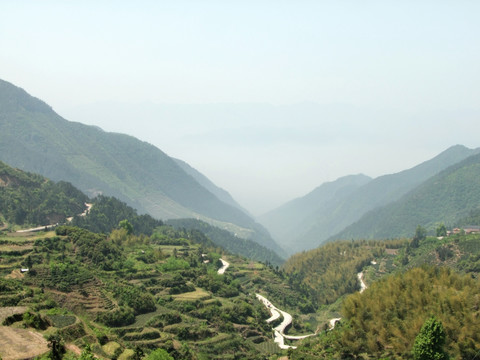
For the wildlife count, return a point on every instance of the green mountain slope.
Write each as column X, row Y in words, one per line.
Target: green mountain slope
column 332, row 216
column 220, row 193
column 33, row 137
column 447, row 197
column 299, row 215
column 229, row 241
column 30, row 199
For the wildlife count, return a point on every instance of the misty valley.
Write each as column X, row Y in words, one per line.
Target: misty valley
column 112, row 249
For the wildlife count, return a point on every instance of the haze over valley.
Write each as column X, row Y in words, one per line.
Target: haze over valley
column 239, row 180
column 267, row 101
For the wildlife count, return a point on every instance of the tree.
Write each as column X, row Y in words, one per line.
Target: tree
column 429, row 341
column 125, row 224
column 159, row 354
column 441, row 230
column 55, row 343
column 420, row 235
column 138, row 354
column 87, row 353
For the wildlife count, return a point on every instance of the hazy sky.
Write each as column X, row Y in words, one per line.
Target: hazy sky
column 269, row 99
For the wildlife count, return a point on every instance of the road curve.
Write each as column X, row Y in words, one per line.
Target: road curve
column 224, row 267
column 362, row 283
column 279, row 331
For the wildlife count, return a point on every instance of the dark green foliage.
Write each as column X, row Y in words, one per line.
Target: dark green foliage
column 60, row 321
column 441, row 230
column 27, row 198
column 122, row 316
column 448, row 197
column 229, row 241
column 430, row 341
column 444, row 253
column 420, row 235
column 108, row 213
column 11, row 292
column 136, row 298
column 57, row 346
column 34, row 320
column 93, row 248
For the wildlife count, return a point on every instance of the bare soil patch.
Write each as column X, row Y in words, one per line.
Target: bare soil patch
column 391, row 251
column 11, row 310
column 21, row 343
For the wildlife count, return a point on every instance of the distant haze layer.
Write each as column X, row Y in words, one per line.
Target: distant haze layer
column 403, row 79
column 265, row 155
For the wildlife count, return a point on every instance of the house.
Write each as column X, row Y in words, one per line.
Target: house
column 470, row 229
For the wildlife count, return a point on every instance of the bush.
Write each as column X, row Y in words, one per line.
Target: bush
column 122, row 316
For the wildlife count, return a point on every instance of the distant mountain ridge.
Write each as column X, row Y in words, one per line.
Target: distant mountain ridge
column 288, row 221
column 447, row 198
column 220, row 193
column 34, row 138
column 333, row 214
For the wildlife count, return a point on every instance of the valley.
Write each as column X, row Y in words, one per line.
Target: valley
column 149, row 259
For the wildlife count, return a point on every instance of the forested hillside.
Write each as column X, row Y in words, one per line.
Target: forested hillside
column 123, row 285
column 407, row 281
column 329, row 272
column 229, row 241
column 107, row 212
column 385, row 320
column 445, row 198
column 28, row 199
column 307, row 222
column 34, row 138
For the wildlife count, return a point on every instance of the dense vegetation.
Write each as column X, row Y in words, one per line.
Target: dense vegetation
column 384, row 321
column 329, row 272
column 107, row 212
column 115, row 282
column 447, row 197
column 230, row 242
column 429, row 276
column 125, row 292
column 30, row 199
column 139, row 291
column 306, row 222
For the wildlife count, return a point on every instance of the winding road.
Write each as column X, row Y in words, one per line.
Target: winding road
column 224, row 267
column 276, row 313
column 53, row 226
column 362, row 284
column 279, row 331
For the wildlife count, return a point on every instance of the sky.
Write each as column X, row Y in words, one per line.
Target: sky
column 268, row 99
